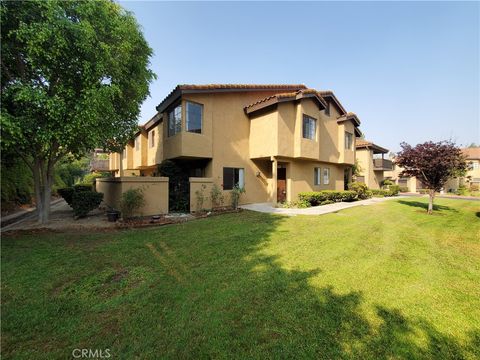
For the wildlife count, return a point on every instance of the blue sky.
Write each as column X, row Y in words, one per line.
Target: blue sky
column 411, row 70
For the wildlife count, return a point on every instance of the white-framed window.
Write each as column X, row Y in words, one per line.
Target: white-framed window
column 309, row 127
column 475, row 165
column 194, row 117
column 348, row 140
column 151, row 138
column 137, row 143
column 316, row 176
column 326, row 176
column 175, row 120
column 232, row 177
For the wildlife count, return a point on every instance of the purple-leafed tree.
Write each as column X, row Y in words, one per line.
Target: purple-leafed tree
column 433, row 163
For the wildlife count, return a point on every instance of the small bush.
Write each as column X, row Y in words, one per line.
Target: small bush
column 315, row 198
column 235, row 195
column 216, row 195
column 83, row 187
column 403, row 188
column 394, row 190
column 474, row 187
column 386, row 183
column 361, row 189
column 423, row 191
column 132, row 200
column 66, row 194
column 85, row 201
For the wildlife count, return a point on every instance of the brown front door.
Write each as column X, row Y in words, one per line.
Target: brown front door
column 281, row 184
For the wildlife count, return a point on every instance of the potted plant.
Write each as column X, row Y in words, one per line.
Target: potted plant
column 113, row 215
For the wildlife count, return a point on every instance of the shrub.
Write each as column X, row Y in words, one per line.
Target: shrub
column 83, row 187
column 386, row 183
column 216, row 195
column 323, row 197
column 423, row 191
column 361, row 189
column 299, row 204
column 379, row 192
column 132, row 200
column 349, row 196
column 474, row 187
column 235, row 195
column 394, row 190
column 200, row 196
column 403, row 188
column 462, row 190
column 66, row 194
column 85, row 201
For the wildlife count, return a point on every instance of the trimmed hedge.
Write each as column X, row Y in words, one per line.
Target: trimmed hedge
column 85, row 201
column 81, row 198
column 392, row 191
column 326, row 196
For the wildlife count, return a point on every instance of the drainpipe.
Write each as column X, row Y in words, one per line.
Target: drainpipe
column 120, row 166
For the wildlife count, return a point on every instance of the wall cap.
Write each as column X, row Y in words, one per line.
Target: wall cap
column 134, row 179
column 200, row 180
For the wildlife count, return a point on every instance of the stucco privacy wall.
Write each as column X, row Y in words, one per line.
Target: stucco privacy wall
column 155, row 191
column 204, row 187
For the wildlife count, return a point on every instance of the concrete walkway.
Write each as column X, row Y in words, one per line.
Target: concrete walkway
column 314, row 210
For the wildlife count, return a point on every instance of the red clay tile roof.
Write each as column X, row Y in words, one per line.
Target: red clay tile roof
column 241, row 86
column 330, row 94
column 179, row 89
column 272, row 99
column 349, row 116
column 472, row 153
column 360, row 143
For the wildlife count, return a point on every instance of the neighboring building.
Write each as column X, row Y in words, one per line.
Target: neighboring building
column 472, row 177
column 99, row 161
column 372, row 163
column 274, row 140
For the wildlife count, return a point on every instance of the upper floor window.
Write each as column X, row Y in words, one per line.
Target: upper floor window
column 232, row 177
column 316, row 176
column 348, row 140
column 194, row 117
column 327, row 109
column 151, row 138
column 475, row 165
column 137, row 143
column 326, row 176
column 309, row 127
column 175, row 121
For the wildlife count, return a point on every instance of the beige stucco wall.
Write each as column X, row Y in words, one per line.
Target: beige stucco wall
column 202, row 185
column 365, row 161
column 155, row 153
column 155, row 190
column 140, row 154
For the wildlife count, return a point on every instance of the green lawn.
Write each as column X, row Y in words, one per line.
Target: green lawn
column 384, row 281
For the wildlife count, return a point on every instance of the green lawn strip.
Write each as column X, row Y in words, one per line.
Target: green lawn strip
column 368, row 282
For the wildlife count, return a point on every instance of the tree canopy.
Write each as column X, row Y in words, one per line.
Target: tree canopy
column 74, row 74
column 434, row 163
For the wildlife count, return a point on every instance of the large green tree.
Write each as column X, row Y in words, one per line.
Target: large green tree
column 73, row 77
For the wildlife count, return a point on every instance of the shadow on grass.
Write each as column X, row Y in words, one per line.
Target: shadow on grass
column 207, row 289
column 425, row 205
column 477, row 213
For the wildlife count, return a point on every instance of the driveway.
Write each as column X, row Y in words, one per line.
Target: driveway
column 314, row 210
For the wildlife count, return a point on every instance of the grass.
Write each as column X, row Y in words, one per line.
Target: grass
column 385, row 281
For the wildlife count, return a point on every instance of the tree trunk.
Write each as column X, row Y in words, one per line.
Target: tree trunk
column 43, row 179
column 431, row 194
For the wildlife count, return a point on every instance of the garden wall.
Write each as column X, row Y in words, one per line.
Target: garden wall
column 201, row 185
column 155, row 191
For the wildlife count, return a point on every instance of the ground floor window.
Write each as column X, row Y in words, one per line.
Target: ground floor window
column 316, row 176
column 232, row 177
column 326, row 176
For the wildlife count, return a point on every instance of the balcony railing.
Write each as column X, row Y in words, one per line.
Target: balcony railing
column 382, row 164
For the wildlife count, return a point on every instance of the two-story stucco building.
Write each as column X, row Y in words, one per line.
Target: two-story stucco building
column 273, row 140
column 372, row 163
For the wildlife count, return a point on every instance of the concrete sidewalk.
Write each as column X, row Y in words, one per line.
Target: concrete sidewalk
column 315, row 210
